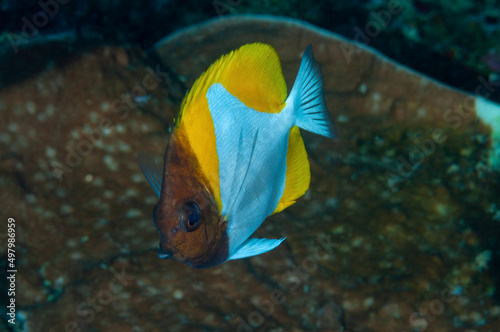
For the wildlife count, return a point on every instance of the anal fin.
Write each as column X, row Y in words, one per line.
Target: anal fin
column 253, row 247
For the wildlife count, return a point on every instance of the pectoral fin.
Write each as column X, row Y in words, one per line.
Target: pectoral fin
column 151, row 167
column 253, row 247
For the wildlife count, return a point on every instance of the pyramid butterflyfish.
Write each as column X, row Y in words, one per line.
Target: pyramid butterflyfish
column 235, row 156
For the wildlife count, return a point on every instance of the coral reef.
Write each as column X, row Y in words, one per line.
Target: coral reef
column 451, row 41
column 398, row 231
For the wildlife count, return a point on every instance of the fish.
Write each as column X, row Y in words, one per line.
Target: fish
column 235, row 156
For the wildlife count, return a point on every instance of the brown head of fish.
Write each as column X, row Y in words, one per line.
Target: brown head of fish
column 186, row 216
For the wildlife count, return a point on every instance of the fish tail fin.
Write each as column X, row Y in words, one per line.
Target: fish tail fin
column 307, row 98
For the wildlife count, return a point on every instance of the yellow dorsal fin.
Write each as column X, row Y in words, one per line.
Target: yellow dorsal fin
column 298, row 174
column 252, row 74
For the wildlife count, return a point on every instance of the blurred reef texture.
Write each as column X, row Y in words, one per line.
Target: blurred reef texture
column 453, row 41
column 398, row 232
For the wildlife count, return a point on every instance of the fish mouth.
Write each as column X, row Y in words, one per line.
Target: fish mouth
column 164, row 253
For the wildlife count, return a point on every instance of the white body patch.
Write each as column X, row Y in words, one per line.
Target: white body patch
column 252, row 148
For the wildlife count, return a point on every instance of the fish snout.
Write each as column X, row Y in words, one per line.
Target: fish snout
column 166, row 250
column 164, row 253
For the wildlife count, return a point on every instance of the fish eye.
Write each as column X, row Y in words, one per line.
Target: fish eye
column 190, row 216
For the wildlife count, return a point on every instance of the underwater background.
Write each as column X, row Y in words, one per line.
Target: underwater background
column 398, row 231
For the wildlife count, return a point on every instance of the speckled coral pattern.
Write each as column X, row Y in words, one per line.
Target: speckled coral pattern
column 378, row 243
